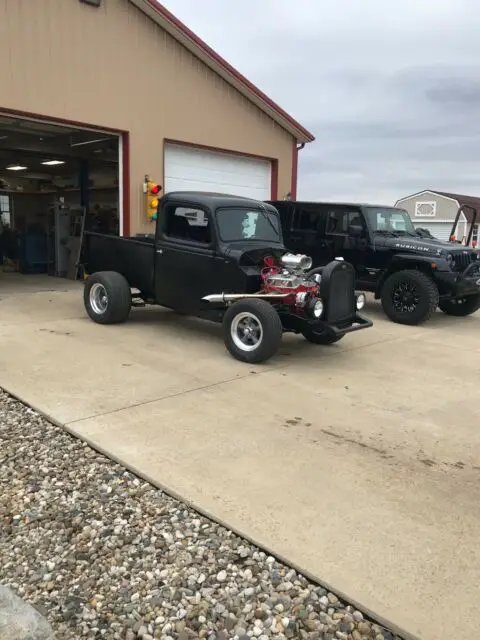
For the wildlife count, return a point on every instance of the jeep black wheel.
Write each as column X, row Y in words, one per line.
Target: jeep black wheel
column 252, row 330
column 317, row 337
column 107, row 297
column 409, row 297
column 461, row 306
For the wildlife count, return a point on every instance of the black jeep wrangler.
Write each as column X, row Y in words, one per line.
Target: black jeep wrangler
column 222, row 258
column 412, row 272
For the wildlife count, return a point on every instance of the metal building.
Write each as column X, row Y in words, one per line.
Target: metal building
column 96, row 94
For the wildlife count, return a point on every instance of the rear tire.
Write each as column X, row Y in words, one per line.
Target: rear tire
column 107, row 297
column 461, row 307
column 320, row 338
column 409, row 297
column 252, row 330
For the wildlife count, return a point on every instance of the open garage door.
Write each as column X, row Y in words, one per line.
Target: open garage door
column 194, row 169
column 55, row 181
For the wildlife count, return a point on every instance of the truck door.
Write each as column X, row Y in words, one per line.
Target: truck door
column 341, row 243
column 185, row 257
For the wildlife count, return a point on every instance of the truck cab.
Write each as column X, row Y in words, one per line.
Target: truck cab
column 411, row 273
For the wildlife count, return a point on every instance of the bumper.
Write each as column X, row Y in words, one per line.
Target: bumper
column 455, row 285
column 359, row 322
column 292, row 322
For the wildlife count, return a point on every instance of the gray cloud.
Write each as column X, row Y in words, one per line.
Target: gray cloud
column 391, row 90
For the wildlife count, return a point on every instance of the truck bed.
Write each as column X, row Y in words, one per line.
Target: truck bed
column 134, row 258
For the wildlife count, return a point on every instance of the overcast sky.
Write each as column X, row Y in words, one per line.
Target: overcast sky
column 391, row 90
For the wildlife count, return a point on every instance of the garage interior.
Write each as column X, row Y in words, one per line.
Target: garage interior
column 55, row 182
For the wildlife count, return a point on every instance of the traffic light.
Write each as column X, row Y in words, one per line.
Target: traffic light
column 152, row 191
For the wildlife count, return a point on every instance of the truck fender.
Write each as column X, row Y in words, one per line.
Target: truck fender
column 403, row 261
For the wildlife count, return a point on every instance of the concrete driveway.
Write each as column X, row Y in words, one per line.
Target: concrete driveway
column 359, row 462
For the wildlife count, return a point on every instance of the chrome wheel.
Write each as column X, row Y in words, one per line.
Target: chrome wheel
column 246, row 331
column 98, row 298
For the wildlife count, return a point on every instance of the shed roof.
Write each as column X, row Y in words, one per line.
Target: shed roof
column 470, row 201
column 201, row 50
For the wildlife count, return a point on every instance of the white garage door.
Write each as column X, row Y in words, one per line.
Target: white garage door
column 440, row 230
column 189, row 169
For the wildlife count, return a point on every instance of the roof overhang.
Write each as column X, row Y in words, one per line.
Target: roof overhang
column 159, row 14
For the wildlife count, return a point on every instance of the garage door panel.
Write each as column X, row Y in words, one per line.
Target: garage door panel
column 440, row 230
column 200, row 170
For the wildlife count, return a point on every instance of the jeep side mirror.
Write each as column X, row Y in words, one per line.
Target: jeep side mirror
column 356, row 231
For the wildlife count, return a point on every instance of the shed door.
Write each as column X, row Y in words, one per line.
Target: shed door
column 193, row 169
column 440, row 230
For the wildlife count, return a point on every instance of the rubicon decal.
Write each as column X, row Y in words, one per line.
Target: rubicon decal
column 413, row 247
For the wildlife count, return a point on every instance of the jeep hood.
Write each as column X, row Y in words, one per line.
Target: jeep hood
column 421, row 246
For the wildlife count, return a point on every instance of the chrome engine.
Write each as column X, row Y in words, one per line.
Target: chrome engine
column 296, row 261
column 289, row 274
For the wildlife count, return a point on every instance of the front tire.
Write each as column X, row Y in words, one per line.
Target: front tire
column 252, row 331
column 320, row 338
column 107, row 297
column 461, row 307
column 409, row 297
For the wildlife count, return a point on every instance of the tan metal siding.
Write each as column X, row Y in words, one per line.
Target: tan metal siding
column 114, row 67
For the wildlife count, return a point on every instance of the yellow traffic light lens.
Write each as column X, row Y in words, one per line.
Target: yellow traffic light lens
column 154, row 203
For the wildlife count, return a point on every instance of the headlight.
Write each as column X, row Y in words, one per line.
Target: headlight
column 317, row 308
column 361, row 301
column 450, row 260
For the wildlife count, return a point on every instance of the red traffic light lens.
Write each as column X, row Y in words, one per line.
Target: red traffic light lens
column 154, row 189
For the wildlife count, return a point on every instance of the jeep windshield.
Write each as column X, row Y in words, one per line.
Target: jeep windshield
column 236, row 224
column 390, row 221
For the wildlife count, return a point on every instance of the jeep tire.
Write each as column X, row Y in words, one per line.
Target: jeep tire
column 409, row 297
column 107, row 297
column 252, row 330
column 461, row 306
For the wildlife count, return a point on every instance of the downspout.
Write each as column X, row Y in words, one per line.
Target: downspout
column 292, row 195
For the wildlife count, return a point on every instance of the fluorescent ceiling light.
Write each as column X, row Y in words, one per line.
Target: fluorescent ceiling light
column 16, row 167
column 81, row 144
column 53, row 163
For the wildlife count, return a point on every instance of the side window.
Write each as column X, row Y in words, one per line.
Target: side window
column 5, row 216
column 305, row 219
column 339, row 220
column 186, row 223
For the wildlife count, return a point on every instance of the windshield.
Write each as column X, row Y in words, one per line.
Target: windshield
column 241, row 223
column 390, row 221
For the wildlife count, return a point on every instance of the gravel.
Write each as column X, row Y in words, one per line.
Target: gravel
column 102, row 554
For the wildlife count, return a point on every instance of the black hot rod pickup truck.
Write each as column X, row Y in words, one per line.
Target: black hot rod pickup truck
column 222, row 258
